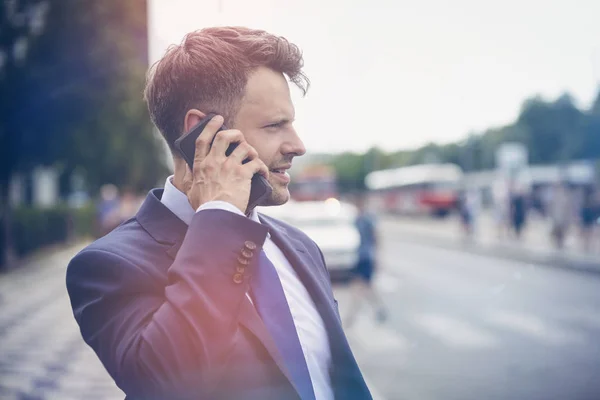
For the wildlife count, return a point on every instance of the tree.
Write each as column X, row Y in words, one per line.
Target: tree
column 75, row 102
column 554, row 130
column 21, row 22
column 350, row 171
column 590, row 146
column 93, row 82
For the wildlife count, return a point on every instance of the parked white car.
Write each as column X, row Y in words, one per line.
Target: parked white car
column 330, row 224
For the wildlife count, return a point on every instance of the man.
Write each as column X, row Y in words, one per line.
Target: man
column 561, row 213
column 362, row 284
column 197, row 297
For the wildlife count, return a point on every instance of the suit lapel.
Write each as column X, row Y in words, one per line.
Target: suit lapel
column 249, row 316
column 307, row 271
column 300, row 259
column 250, row 319
column 167, row 229
column 344, row 371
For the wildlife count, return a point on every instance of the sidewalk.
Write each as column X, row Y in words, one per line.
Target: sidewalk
column 535, row 245
column 42, row 354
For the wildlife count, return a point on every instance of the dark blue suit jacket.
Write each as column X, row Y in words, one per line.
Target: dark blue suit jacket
column 159, row 304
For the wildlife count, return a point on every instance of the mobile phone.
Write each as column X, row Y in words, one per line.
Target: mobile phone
column 260, row 188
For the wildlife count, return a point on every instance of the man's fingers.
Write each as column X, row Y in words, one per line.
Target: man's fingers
column 206, row 137
column 257, row 166
column 242, row 152
column 223, row 140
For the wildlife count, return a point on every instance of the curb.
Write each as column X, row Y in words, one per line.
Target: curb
column 556, row 260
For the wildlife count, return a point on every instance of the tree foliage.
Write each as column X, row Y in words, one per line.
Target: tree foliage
column 78, row 103
column 72, row 74
column 553, row 131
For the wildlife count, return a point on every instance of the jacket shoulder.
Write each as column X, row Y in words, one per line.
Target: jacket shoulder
column 126, row 248
column 123, row 240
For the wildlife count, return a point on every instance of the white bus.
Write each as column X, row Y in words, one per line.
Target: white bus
column 419, row 189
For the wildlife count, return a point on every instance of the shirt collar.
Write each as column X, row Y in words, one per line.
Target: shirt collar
column 178, row 203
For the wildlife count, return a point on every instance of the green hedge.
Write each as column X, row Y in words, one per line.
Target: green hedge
column 34, row 228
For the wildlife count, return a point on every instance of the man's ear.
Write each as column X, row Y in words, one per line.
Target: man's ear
column 192, row 117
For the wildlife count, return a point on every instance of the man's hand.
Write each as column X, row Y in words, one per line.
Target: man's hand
column 216, row 176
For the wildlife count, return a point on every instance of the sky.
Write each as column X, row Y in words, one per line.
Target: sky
column 399, row 74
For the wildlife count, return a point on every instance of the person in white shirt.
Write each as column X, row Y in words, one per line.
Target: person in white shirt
column 199, row 296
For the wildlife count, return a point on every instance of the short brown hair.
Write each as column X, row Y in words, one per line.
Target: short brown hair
column 209, row 71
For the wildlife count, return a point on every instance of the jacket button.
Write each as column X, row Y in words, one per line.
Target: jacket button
column 237, row 278
column 247, row 253
column 250, row 245
column 243, row 261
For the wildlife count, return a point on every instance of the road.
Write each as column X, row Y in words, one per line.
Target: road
column 461, row 326
column 464, row 326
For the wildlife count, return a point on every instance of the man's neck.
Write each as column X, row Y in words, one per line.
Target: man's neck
column 178, row 183
column 179, row 174
column 180, row 170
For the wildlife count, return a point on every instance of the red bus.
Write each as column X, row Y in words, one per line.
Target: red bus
column 419, row 189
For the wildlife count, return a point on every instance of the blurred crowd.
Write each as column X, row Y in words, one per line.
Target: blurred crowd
column 567, row 209
column 115, row 207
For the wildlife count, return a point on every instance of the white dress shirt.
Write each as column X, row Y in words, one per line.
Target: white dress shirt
column 308, row 322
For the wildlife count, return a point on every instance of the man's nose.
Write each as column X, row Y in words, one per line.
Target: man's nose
column 293, row 145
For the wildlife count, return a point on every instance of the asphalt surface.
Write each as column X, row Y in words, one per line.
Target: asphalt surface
column 460, row 326
column 466, row 326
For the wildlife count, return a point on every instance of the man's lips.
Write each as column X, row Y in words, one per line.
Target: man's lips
column 280, row 170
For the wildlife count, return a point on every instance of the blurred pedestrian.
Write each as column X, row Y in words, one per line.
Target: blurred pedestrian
column 518, row 211
column 471, row 205
column 465, row 214
column 128, row 205
column 587, row 218
column 537, row 202
column 501, row 208
column 596, row 225
column 561, row 213
column 361, row 286
column 107, row 209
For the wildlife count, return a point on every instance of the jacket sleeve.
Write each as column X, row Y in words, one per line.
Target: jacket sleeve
column 166, row 342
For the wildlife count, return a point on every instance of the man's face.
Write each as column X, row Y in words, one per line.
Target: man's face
column 265, row 118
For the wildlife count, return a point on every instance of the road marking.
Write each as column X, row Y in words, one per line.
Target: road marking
column 532, row 326
column 386, row 282
column 374, row 337
column 454, row 333
column 430, row 274
column 590, row 318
